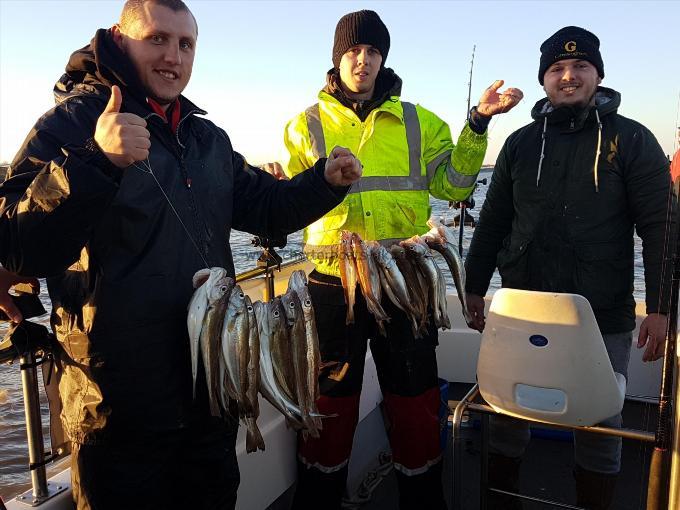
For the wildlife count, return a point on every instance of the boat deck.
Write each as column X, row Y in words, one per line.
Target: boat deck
column 546, row 468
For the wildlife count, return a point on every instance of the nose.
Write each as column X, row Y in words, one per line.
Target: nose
column 362, row 56
column 173, row 55
column 567, row 74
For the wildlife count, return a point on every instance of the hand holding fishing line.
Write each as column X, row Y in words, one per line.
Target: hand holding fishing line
column 653, row 335
column 492, row 103
column 342, row 167
column 122, row 137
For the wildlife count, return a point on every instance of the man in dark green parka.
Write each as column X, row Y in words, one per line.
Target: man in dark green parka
column 568, row 192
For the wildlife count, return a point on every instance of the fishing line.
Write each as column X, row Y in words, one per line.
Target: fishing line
column 146, row 168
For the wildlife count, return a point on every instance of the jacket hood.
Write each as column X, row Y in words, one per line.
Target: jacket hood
column 387, row 84
column 95, row 68
column 607, row 102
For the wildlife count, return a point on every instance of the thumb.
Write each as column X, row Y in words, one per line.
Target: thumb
column 116, row 99
column 339, row 151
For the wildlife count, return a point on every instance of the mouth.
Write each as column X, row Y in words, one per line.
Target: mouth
column 168, row 75
column 569, row 88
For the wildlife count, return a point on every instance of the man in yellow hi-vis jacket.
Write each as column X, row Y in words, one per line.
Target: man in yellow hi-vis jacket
column 408, row 155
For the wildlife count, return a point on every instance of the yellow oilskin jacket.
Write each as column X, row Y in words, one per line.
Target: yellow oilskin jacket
column 407, row 155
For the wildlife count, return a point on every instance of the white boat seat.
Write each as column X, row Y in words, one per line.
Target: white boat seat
column 542, row 358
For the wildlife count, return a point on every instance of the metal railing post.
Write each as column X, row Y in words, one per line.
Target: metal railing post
column 36, row 445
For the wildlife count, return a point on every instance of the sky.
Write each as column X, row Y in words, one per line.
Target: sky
column 259, row 63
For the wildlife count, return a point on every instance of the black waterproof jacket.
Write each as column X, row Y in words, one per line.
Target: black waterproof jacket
column 119, row 262
column 555, row 230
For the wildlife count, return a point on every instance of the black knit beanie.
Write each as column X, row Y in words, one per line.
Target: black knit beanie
column 361, row 27
column 570, row 42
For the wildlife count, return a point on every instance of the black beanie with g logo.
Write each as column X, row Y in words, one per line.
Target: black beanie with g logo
column 567, row 43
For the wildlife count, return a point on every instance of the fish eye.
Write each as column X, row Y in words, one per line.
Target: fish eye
column 241, row 295
column 308, row 302
column 250, row 308
column 224, row 288
column 276, row 313
column 292, row 305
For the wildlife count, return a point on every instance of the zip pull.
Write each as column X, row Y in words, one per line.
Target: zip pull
column 188, row 182
column 571, row 126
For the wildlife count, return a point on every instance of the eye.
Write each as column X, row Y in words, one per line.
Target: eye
column 241, row 295
column 276, row 314
column 186, row 45
column 308, row 302
column 157, row 39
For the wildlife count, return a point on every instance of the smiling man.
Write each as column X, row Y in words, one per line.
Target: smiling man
column 408, row 155
column 119, row 195
column 567, row 192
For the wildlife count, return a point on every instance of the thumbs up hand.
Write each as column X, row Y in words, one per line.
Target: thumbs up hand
column 122, row 137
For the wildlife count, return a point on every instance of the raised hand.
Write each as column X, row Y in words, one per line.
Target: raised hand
column 493, row 103
column 276, row 170
column 7, row 281
column 122, row 137
column 342, row 167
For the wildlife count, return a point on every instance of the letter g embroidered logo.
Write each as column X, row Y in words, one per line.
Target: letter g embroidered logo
column 570, row 46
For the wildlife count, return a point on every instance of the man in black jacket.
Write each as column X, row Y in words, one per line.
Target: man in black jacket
column 568, row 190
column 118, row 196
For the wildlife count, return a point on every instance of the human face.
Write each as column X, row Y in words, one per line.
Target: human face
column 161, row 45
column 571, row 82
column 359, row 68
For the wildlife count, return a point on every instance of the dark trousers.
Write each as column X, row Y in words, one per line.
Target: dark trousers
column 193, row 468
column 407, row 373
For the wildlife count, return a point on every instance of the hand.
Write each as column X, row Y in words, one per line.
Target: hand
column 122, row 137
column 492, row 103
column 7, row 281
column 276, row 170
column 653, row 328
column 342, row 168
column 475, row 306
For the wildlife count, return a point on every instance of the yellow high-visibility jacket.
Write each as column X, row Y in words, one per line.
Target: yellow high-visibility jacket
column 407, row 154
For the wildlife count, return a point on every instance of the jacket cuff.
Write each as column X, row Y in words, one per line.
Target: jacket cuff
column 478, row 122
column 91, row 154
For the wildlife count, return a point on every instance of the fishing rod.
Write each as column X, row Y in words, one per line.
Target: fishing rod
column 463, row 204
column 658, row 488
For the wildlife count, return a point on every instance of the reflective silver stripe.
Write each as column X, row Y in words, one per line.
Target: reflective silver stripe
column 412, row 125
column 323, row 469
column 374, row 183
column 315, row 131
column 459, row 180
column 434, row 164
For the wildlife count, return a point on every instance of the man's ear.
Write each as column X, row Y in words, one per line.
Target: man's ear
column 599, row 80
column 117, row 35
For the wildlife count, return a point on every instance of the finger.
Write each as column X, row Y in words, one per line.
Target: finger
column 138, row 155
column 141, row 142
column 496, row 85
column 340, row 152
column 132, row 119
column 642, row 336
column 135, row 132
column 116, row 99
column 10, row 309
